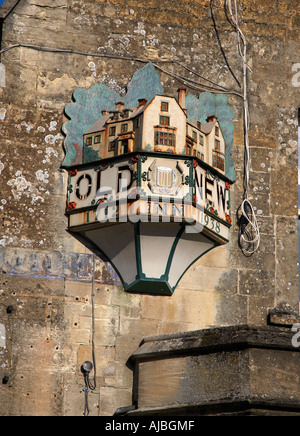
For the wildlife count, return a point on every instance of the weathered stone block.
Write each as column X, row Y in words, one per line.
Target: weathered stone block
column 217, row 371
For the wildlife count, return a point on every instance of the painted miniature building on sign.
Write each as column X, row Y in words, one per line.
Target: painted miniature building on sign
column 156, row 198
column 159, row 125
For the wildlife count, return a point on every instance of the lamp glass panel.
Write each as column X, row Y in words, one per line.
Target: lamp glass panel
column 117, row 242
column 156, row 242
column 189, row 248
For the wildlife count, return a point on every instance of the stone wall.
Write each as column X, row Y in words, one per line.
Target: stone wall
column 46, row 275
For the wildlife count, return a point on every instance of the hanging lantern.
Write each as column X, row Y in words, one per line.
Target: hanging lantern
column 157, row 198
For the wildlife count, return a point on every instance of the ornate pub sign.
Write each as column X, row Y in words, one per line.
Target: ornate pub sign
column 149, row 189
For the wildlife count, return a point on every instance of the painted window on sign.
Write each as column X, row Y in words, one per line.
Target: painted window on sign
column 112, row 131
column 164, row 121
column 124, row 128
column 164, row 138
column 217, row 144
column 218, row 161
column 188, row 150
column 111, row 146
column 164, row 106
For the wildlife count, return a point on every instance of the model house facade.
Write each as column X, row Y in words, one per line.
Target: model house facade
column 159, row 125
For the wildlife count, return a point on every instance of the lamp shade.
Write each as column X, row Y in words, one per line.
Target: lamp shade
column 149, row 257
column 149, row 237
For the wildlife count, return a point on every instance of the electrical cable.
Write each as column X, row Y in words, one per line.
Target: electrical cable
column 88, row 366
column 199, row 75
column 249, row 236
column 196, row 85
column 220, row 45
column 186, row 80
column 93, row 323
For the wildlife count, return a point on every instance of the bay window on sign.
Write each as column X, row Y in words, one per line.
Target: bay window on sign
column 218, row 161
column 164, row 138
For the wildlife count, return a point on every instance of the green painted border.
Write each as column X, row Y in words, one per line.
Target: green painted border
column 172, row 252
column 162, row 154
column 150, row 286
column 137, row 240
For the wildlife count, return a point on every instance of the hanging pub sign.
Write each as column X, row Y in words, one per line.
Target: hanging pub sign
column 150, row 192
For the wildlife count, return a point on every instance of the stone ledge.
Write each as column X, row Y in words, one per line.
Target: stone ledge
column 212, row 340
column 217, row 371
column 242, row 408
column 231, row 408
